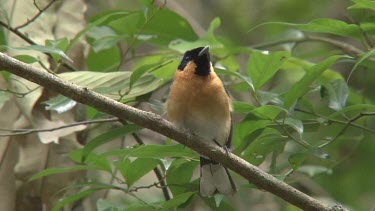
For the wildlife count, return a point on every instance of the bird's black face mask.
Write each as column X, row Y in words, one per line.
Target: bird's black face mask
column 201, row 57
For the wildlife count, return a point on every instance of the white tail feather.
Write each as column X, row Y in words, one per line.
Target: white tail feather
column 214, row 177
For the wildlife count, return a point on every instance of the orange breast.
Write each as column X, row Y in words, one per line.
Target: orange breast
column 194, row 96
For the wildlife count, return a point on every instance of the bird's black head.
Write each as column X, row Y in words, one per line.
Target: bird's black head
column 201, row 57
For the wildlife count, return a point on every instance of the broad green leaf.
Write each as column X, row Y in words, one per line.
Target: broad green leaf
column 180, row 173
column 177, row 201
column 269, row 97
column 362, row 58
column 297, row 159
column 75, row 197
column 323, row 25
column 61, row 44
column 353, row 109
column 218, row 199
column 302, row 87
column 102, row 38
column 262, row 66
column 368, row 4
column 209, row 38
column 132, row 171
column 106, row 205
column 269, row 112
column 97, row 162
column 44, row 49
column 112, row 84
column 269, row 141
column 60, row 104
column 108, row 136
column 338, row 92
column 177, row 28
column 246, row 79
column 139, row 72
column 296, row 124
column 52, row 171
column 104, row 60
column 26, row 58
column 241, row 107
column 332, row 26
column 97, row 20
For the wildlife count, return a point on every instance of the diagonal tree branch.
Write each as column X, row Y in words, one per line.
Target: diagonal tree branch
column 156, row 123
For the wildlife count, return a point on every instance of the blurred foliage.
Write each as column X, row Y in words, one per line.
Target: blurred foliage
column 303, row 107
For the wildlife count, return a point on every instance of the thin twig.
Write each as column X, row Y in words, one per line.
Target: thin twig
column 350, row 121
column 130, row 45
column 31, row 42
column 37, row 15
column 337, row 121
column 157, row 171
column 347, row 48
column 17, row 132
column 18, row 94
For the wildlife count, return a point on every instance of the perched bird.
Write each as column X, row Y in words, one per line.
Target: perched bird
column 199, row 103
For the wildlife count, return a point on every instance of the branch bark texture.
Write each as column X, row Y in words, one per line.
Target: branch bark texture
column 158, row 124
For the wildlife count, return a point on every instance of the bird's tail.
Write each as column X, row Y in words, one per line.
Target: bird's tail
column 215, row 178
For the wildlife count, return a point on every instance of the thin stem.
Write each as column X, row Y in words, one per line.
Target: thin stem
column 17, row 132
column 157, row 171
column 37, row 15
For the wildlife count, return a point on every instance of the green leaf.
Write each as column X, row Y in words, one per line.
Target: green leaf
column 110, row 84
column 323, row 25
column 246, row 79
column 269, row 97
column 108, row 136
column 104, row 60
column 209, row 38
column 302, row 86
column 102, row 18
column 353, row 109
column 296, row 124
column 60, row 104
column 140, row 71
column 297, row 159
column 102, row 38
column 106, row 205
column 362, row 58
column 365, row 4
column 52, row 171
column 218, row 199
column 179, row 176
column 338, row 92
column 177, row 200
column 332, row 26
column 26, row 58
column 177, row 28
column 75, row 197
column 241, row 107
column 269, row 141
column 132, row 171
column 269, row 112
column 262, row 66
column 44, row 49
column 61, row 44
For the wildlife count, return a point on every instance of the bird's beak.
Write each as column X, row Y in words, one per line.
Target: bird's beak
column 204, row 51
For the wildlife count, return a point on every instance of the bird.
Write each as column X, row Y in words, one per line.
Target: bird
column 199, row 103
